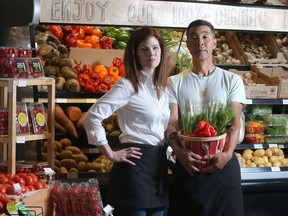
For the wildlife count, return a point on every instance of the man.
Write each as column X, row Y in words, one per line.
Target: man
column 215, row 190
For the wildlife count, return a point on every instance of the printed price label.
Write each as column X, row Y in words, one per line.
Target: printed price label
column 275, row 169
column 273, row 145
column 22, row 83
column 20, row 140
column 72, row 175
column 17, row 187
column 258, row 146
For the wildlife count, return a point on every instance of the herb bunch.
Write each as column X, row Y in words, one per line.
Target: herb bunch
column 219, row 116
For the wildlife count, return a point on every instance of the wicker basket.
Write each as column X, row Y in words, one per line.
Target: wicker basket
column 203, row 145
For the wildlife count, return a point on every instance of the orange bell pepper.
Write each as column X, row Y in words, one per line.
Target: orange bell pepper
column 113, row 71
column 101, row 70
column 97, row 32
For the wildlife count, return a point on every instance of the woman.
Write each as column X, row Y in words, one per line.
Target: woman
column 138, row 179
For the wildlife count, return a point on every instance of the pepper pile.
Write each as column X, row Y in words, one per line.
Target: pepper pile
column 119, row 36
column 100, row 78
column 204, row 129
column 81, row 36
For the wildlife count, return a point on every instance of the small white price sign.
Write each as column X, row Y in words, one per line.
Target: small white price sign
column 20, row 140
column 275, row 169
column 258, row 146
column 17, row 187
column 48, row 171
column 72, row 175
column 273, row 145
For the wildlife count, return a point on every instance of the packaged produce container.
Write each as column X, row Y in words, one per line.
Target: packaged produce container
column 255, row 126
column 37, row 119
column 275, row 139
column 254, row 138
column 3, row 121
column 22, row 122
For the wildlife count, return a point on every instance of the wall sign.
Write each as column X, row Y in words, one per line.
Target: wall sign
column 163, row 14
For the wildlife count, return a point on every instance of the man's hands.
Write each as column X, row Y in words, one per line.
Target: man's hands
column 218, row 161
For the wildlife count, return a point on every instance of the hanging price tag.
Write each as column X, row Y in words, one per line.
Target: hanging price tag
column 17, row 187
column 22, row 83
column 48, row 171
column 108, row 209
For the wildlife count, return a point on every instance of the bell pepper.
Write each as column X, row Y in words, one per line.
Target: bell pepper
column 87, row 69
column 107, row 80
column 106, row 42
column 56, row 31
column 102, row 88
column 117, row 61
column 83, row 79
column 113, row 71
column 204, row 129
column 89, row 88
column 71, row 40
column 122, row 70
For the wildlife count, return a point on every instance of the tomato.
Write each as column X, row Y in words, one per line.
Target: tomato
column 2, row 208
column 2, row 188
column 45, row 185
column 29, row 180
column 35, row 177
column 5, row 201
column 11, row 191
column 2, row 194
column 31, row 187
column 38, row 185
column 3, row 180
column 22, row 175
column 10, row 182
column 18, row 179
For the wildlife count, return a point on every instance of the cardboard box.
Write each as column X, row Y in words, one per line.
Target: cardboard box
column 94, row 57
column 275, row 76
column 261, row 88
column 265, row 40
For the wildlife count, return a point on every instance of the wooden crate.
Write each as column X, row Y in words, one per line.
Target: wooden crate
column 267, row 39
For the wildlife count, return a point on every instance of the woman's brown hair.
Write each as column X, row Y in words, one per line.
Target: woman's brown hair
column 131, row 61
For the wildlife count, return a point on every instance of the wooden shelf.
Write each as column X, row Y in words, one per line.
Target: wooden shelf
column 8, row 93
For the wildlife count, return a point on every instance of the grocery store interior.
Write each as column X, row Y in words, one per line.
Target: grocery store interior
column 46, row 45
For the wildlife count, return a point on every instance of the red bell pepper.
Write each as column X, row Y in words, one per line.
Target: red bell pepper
column 71, row 40
column 107, row 80
column 204, row 129
column 56, row 31
column 106, row 42
column 117, row 61
column 89, row 88
column 83, row 79
column 87, row 69
column 102, row 88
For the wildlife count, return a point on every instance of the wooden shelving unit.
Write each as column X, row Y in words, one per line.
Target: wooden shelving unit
column 8, row 93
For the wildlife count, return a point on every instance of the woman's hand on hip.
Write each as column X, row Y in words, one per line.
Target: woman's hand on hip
column 123, row 155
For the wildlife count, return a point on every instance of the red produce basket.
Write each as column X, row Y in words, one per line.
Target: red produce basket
column 203, row 145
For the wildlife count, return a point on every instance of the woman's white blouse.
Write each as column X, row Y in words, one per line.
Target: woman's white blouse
column 142, row 117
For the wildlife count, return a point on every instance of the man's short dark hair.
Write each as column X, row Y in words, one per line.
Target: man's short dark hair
column 200, row 22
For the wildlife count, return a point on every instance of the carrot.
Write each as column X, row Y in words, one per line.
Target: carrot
column 80, row 121
column 73, row 113
column 59, row 128
column 63, row 120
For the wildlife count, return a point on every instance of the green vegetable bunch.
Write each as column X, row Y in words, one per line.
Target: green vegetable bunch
column 219, row 116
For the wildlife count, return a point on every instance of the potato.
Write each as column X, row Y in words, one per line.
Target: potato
column 73, row 170
column 81, row 166
column 276, row 151
column 66, row 154
column 259, row 153
column 74, row 149
column 65, row 142
column 267, row 164
column 58, row 146
column 247, row 155
column 68, row 163
column 276, row 163
column 63, row 170
column 268, row 152
column 57, row 163
column 252, row 164
column 79, row 157
column 259, row 161
column 284, row 161
column 56, row 169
